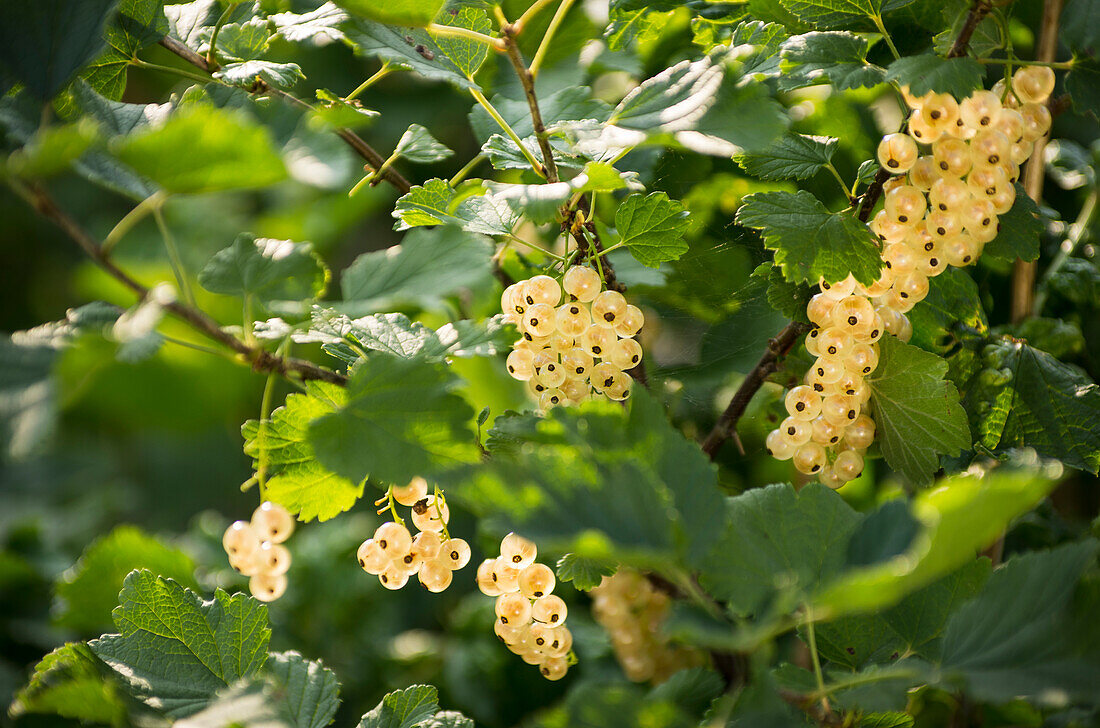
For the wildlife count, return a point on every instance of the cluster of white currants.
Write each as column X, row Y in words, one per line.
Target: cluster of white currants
column 530, row 619
column 393, row 554
column 940, row 210
column 571, row 349
column 632, row 611
column 255, row 549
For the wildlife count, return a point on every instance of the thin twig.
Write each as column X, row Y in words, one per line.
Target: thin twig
column 260, row 359
column 353, row 140
column 977, row 13
column 768, row 363
column 508, row 33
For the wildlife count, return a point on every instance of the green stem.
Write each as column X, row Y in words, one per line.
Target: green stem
column 173, row 255
column 840, row 180
column 462, row 173
column 376, row 174
column 540, row 249
column 439, row 512
column 381, row 73
column 1074, row 236
column 480, row 98
column 176, row 71
column 544, row 46
column 199, row 347
column 211, row 53
column 816, row 660
column 391, row 505
column 616, row 246
column 129, row 220
column 265, row 413
column 859, row 680
column 1061, row 65
column 529, row 13
column 885, row 35
column 247, row 485
column 457, row 32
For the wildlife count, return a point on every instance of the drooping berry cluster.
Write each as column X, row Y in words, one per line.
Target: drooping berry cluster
column 530, row 619
column 586, row 343
column 940, row 210
column 255, row 549
column 393, row 554
column 632, row 611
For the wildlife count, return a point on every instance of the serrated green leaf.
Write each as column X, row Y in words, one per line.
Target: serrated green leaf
column 917, row 412
column 225, row 150
column 1039, row 402
column 52, row 149
column 628, row 28
column 115, row 118
column 71, row 682
column 744, row 116
column 673, row 100
column 1018, row 231
column 394, row 12
column 962, row 515
column 467, row 54
column 175, row 650
column 245, row 41
column 107, row 74
column 247, row 704
column 310, row 693
column 426, row 267
column 401, row 420
column 985, row 39
column 794, row 156
column 504, row 154
column 777, row 539
column 568, row 104
column 952, row 302
column 188, row 21
column 403, row 708
column 268, row 270
column 1083, row 87
column 410, row 48
column 927, row 72
column 43, row 44
column 88, row 591
column 833, row 13
column 838, row 57
column 245, row 73
column 336, row 112
column 280, row 444
column 768, row 38
column 585, row 573
column 809, row 241
column 540, row 202
column 652, row 227
column 137, row 24
column 418, row 145
column 1017, row 638
column 322, row 24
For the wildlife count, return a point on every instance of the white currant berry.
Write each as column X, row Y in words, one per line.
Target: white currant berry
column 809, row 458
column 626, row 354
column 597, row 340
column 267, row 588
column 848, row 465
column 513, row 609
column 431, row 514
column 394, row 577
column 372, row 559
column 436, row 575
column 577, row 362
column 630, row 323
column 485, row 581
column 778, row 446
column 897, row 153
column 795, row 431
column 272, row 522
column 608, row 308
column 393, row 539
column 572, row 319
column 455, row 552
column 518, row 551
column 582, row 283
column 550, row 609
column 240, row 539
column 537, row 580
column 408, row 495
column 274, row 558
column 802, row 403
column 542, row 290
column 505, row 575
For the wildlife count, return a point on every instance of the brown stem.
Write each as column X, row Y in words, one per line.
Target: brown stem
column 873, row 193
column 260, row 359
column 353, row 140
column 508, row 33
column 1023, row 272
column 768, row 363
column 977, row 13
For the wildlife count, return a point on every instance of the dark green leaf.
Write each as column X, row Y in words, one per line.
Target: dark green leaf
column 768, row 38
column 71, row 682
column 585, row 573
column 268, row 270
column 418, row 145
column 175, row 650
column 652, row 227
column 924, row 73
column 985, row 39
column 410, row 48
column 247, row 704
column 674, row 99
column 951, row 310
column 395, row 12
column 310, row 693
column 246, row 73
column 52, row 149
column 744, row 116
column 568, row 104
column 403, row 708
column 401, row 420
column 794, row 156
column 467, row 54
column 1083, row 87
column 1018, row 231
column 833, row 13
column 836, row 56
column 1080, row 26
column 809, row 241
column 428, row 265
column 917, row 412
column 44, row 43
column 137, row 24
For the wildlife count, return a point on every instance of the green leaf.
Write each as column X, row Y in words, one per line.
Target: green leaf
column 1080, row 26
column 175, row 650
column 240, row 41
column 504, row 154
column 652, row 227
column 768, row 38
column 628, row 28
column 43, row 44
column 410, row 48
column 539, row 203
column 318, row 26
column 835, row 56
column 809, row 241
column 395, row 12
column 337, row 112
column 428, row 266
column 743, row 116
column 1018, row 638
column 1083, row 87
column 247, row 704
column 225, row 150
column 245, row 73
column 1027, row 398
column 418, row 145
column 401, row 420
column 267, row 270
column 71, row 682
column 89, row 590
column 952, row 302
column 467, row 54
column 964, row 514
column 833, row 13
column 188, row 22
column 568, row 104
column 137, row 24
column 426, row 204
column 794, row 156
column 52, row 149
column 310, row 693
column 674, row 99
column 778, row 539
column 917, row 412
column 296, row 480
column 924, row 73
column 1018, row 231
column 985, row 39
column 115, row 118
column 403, row 708
column 585, row 573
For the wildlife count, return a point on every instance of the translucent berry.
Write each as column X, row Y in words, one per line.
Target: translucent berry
column 582, row 283
column 554, row 668
column 518, row 551
column 848, row 465
column 552, row 374
column 803, row 403
column 394, row 577
column 408, row 495
column 860, row 433
column 952, row 157
column 372, row 559
column 272, row 522
column 597, row 340
column 608, row 308
column 267, row 588
column 795, row 431
column 778, row 446
column 431, row 514
column 455, row 552
column 1036, row 121
column 485, row 581
column 240, row 539
column 393, row 539
column 626, row 354
column 839, row 289
column 549, row 609
column 1033, row 84
column 863, row 359
column 897, row 153
column 835, row 342
column 809, row 459
column 906, row 204
column 542, row 289
column 540, row 320
column 505, row 575
column 536, row 580
column 980, row 110
column 572, row 318
column 825, row 432
column 939, row 111
column 435, row 575
column 409, row 562
column 274, row 558
column 630, row 323
column 513, row 609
